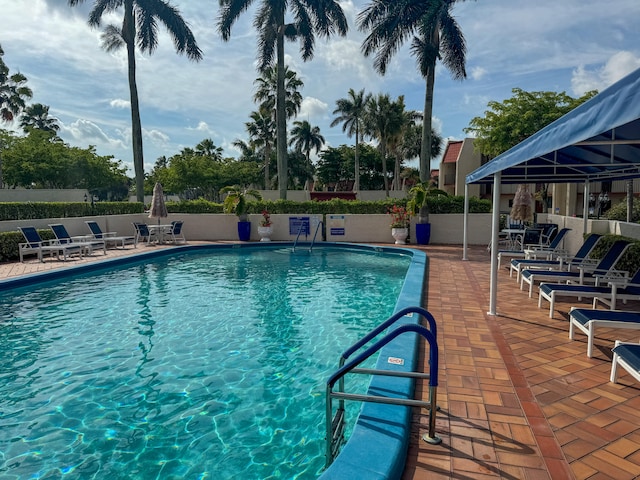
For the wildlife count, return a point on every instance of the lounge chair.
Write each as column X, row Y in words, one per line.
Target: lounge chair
column 586, row 320
column 617, row 288
column 627, row 355
column 548, row 249
column 175, row 232
column 588, row 272
column 142, row 232
column 63, row 238
column 109, row 237
column 35, row 244
column 563, row 261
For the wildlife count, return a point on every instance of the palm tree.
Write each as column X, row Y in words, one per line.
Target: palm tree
column 37, row 116
column 140, row 27
column 305, row 138
column 267, row 91
column 310, row 18
column 383, row 120
column 261, row 131
column 436, row 35
column 13, row 95
column 350, row 113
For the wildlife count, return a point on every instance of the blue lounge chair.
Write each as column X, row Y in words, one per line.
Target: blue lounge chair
column 562, row 262
column 619, row 288
column 35, row 244
column 586, row 320
column 550, row 249
column 109, row 237
column 627, row 355
column 63, row 238
column 588, row 272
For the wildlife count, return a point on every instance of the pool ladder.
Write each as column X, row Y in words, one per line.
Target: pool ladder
column 335, row 424
column 314, row 236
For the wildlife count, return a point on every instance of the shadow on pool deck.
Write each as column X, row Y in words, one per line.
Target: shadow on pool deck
column 518, row 399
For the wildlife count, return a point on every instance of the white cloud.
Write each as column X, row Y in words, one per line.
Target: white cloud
column 312, row 109
column 85, row 132
column 477, row 73
column 156, row 136
column 120, row 103
column 617, row 67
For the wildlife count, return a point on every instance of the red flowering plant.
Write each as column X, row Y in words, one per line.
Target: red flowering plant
column 266, row 219
column 400, row 217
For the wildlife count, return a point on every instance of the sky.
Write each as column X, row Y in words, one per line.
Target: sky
column 547, row 45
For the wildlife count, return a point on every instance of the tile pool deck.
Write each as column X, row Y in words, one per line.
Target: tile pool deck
column 518, row 399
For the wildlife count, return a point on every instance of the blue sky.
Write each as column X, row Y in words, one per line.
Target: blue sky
column 547, row 45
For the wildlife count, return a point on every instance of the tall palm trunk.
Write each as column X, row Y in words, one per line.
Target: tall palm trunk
column 425, row 147
column 129, row 32
column 356, row 183
column 383, row 149
column 281, row 114
column 267, row 158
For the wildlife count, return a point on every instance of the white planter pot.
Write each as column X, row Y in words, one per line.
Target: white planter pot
column 265, row 233
column 400, row 234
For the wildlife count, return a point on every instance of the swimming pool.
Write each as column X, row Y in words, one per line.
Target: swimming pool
column 150, row 380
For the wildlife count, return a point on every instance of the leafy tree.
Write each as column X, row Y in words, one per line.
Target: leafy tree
column 350, row 112
column 335, row 166
column 383, row 121
column 305, row 138
column 39, row 160
column 507, row 123
column 37, row 116
column 140, row 27
column 13, row 95
column 262, row 129
column 267, row 91
column 300, row 170
column 436, row 36
column 310, row 18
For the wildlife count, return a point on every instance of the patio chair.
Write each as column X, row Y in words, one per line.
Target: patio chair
column 143, row 232
column 547, row 249
column 528, row 239
column 617, row 288
column 175, row 232
column 35, row 244
column 627, row 355
column 588, row 272
column 587, row 320
column 63, row 238
column 109, row 237
column 561, row 261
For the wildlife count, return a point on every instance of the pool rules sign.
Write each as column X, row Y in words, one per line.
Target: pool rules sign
column 335, row 224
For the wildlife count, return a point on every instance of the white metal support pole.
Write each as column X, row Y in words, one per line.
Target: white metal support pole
column 585, row 207
column 465, row 221
column 495, row 227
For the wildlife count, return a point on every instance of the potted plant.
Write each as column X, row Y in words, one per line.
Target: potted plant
column 419, row 206
column 400, row 219
column 236, row 202
column 265, row 229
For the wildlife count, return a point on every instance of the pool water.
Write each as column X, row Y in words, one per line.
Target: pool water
column 196, row 366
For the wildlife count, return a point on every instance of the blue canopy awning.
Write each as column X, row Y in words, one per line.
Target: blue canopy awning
column 597, row 141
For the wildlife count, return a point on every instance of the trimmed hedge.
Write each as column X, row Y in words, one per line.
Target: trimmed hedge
column 33, row 210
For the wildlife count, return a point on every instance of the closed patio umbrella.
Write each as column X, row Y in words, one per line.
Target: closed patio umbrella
column 158, row 207
column 522, row 208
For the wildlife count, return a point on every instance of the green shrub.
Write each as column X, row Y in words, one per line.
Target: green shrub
column 33, row 210
column 619, row 211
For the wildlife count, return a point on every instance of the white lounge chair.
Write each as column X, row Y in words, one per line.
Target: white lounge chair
column 35, row 244
column 109, row 237
column 627, row 355
column 63, row 238
column 587, row 320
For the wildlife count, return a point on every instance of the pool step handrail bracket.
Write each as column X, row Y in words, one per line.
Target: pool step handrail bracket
column 315, row 235
column 335, row 424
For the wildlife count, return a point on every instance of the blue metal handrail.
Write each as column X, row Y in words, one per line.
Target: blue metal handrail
column 335, row 425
